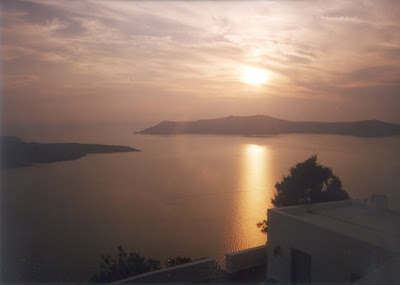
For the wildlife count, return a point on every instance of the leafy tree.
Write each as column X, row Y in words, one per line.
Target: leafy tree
column 177, row 261
column 309, row 182
column 123, row 265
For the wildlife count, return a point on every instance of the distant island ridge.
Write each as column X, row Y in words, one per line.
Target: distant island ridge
column 17, row 153
column 260, row 125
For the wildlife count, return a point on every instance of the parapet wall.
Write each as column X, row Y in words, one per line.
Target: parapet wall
column 245, row 259
column 197, row 271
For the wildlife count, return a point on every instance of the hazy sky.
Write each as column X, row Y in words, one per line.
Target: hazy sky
column 140, row 62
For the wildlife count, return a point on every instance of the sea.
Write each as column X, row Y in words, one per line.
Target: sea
column 182, row 195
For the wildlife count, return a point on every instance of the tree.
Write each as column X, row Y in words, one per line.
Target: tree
column 309, row 182
column 123, row 265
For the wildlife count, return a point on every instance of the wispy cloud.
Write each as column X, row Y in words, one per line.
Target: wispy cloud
column 312, row 49
column 14, row 81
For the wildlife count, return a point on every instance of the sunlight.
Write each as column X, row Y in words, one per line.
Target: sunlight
column 255, row 150
column 253, row 200
column 256, row 167
column 254, row 75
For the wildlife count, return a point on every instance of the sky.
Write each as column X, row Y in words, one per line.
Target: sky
column 141, row 62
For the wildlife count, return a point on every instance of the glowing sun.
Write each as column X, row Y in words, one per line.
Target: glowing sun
column 254, row 75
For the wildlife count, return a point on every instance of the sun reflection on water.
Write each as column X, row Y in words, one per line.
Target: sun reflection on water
column 255, row 168
column 253, row 199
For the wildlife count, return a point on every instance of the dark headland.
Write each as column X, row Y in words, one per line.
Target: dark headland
column 260, row 125
column 17, row 153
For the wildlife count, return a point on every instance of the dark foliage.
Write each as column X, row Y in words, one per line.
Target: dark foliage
column 177, row 261
column 123, row 265
column 309, row 182
column 263, row 225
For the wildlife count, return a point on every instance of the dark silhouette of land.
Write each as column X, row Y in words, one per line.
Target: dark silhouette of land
column 260, row 125
column 17, row 153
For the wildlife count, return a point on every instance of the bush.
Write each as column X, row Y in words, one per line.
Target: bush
column 123, row 265
column 177, row 261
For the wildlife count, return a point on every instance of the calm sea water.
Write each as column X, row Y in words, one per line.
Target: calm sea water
column 187, row 195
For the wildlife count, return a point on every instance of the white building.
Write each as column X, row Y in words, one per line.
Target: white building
column 340, row 242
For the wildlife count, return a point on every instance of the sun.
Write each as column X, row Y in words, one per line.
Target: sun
column 254, row 75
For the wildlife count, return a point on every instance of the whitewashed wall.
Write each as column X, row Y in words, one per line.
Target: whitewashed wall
column 333, row 256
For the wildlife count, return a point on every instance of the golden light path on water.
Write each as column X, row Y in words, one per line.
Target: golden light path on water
column 255, row 168
column 254, row 198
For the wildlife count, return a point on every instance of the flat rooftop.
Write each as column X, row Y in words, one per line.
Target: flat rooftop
column 351, row 218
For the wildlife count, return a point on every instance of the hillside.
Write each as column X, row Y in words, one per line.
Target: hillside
column 17, row 153
column 264, row 125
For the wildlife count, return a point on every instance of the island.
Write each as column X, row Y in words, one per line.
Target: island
column 261, row 125
column 17, row 153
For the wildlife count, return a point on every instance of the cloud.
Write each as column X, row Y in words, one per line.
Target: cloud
column 196, row 49
column 14, row 81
